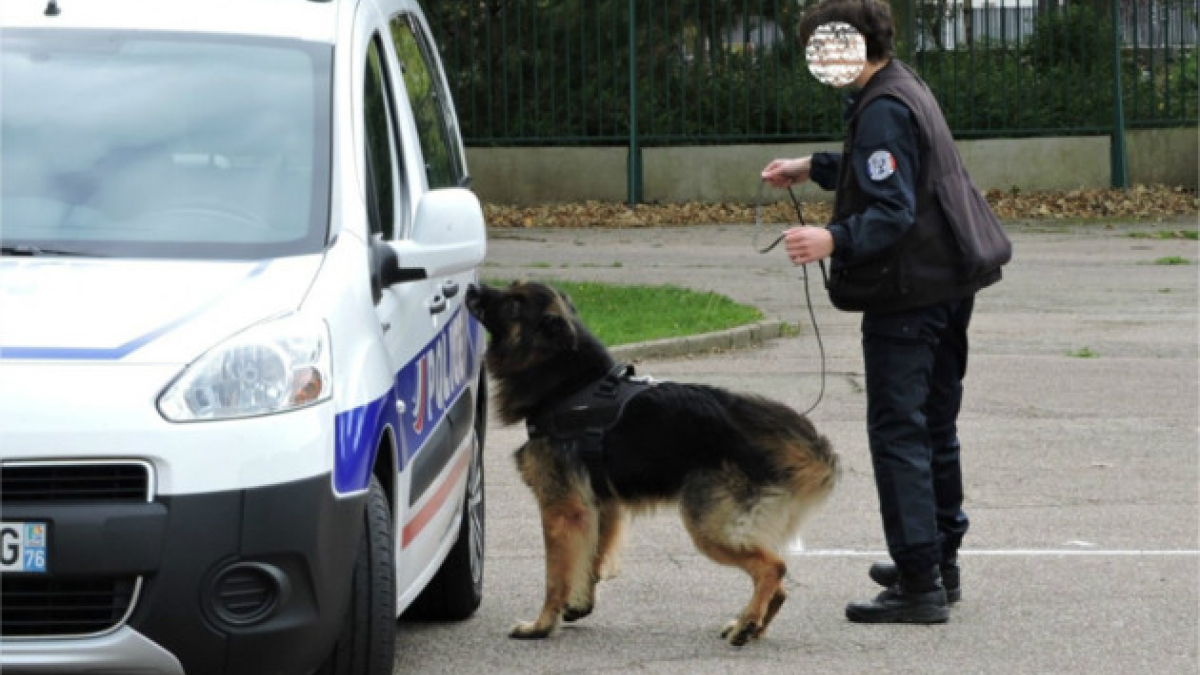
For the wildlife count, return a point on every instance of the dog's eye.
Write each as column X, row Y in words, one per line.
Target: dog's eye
column 512, row 306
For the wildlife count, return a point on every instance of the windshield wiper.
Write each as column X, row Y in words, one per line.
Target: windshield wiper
column 31, row 250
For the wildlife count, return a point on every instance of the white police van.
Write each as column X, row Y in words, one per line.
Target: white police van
column 241, row 403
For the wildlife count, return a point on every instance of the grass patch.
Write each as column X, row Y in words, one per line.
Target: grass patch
column 1191, row 235
column 1173, row 260
column 1085, row 353
column 619, row 314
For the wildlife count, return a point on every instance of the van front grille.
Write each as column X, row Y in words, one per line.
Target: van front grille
column 73, row 483
column 43, row 607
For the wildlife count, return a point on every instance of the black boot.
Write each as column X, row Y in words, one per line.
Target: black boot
column 886, row 574
column 906, row 601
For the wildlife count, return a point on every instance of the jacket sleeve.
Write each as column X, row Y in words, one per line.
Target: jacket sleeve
column 885, row 160
column 825, row 168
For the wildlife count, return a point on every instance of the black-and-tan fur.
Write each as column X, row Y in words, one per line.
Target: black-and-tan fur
column 745, row 470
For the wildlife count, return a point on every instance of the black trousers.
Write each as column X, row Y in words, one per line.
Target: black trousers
column 915, row 362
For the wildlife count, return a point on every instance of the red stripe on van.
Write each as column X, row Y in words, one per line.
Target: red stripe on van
column 419, row 521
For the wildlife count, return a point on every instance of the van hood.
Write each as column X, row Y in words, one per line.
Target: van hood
column 140, row 311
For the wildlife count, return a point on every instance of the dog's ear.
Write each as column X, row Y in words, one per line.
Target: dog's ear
column 560, row 331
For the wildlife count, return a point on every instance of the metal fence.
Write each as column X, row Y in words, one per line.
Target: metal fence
column 594, row 72
column 1157, row 23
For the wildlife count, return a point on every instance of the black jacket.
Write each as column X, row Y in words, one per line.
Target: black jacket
column 909, row 228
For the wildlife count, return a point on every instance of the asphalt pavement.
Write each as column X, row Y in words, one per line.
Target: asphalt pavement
column 1080, row 436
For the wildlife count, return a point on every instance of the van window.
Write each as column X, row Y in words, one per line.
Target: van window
column 380, row 144
column 430, row 104
column 154, row 144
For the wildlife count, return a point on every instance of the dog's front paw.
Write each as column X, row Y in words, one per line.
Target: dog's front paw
column 577, row 613
column 529, row 630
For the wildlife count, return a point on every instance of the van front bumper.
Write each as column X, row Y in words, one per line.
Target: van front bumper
column 122, row 651
column 251, row 581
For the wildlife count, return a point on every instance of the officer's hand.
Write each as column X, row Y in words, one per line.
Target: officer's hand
column 781, row 173
column 808, row 244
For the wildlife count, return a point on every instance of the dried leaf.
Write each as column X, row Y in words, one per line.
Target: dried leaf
column 1140, row 201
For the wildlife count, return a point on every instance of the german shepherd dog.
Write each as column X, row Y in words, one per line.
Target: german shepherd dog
column 745, row 470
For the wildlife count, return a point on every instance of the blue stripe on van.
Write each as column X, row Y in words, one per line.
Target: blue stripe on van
column 427, row 386
column 357, row 434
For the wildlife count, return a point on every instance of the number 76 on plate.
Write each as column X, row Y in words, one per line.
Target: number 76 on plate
column 23, row 547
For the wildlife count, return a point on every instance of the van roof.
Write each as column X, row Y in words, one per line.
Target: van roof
column 312, row 20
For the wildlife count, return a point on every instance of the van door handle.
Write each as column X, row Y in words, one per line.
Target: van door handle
column 437, row 304
column 450, row 288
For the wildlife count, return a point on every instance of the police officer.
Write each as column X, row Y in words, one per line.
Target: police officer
column 903, row 204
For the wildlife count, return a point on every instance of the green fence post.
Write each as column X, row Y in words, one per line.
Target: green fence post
column 1118, row 161
column 634, row 168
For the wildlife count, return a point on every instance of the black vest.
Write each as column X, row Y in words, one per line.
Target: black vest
column 955, row 247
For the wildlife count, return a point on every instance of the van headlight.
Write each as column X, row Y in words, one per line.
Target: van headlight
column 276, row 366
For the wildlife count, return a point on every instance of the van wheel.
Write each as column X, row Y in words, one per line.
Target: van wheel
column 456, row 590
column 367, row 643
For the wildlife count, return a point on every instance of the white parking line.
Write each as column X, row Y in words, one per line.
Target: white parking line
column 1015, row 552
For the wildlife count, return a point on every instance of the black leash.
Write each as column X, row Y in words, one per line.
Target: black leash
column 804, row 269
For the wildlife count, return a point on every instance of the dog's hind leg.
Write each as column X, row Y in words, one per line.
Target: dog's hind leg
column 723, row 529
column 766, row 570
column 569, row 529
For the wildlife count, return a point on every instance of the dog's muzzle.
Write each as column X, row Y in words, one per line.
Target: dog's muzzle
column 475, row 300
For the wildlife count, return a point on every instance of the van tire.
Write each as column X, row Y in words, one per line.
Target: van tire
column 456, row 591
column 367, row 644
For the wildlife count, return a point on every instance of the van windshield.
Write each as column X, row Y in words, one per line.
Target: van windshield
column 163, row 144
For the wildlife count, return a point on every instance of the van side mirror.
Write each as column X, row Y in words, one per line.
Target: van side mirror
column 449, row 236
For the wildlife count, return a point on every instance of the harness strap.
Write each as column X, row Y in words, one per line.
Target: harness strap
column 579, row 422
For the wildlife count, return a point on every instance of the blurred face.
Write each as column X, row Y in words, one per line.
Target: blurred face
column 836, row 54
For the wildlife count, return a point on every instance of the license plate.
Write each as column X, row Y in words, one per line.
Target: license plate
column 23, row 547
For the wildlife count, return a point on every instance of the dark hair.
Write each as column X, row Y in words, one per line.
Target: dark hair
column 872, row 18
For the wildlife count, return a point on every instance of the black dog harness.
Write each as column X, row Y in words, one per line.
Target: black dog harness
column 578, row 423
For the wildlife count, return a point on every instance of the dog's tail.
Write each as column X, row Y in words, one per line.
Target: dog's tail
column 815, row 467
column 803, row 458
column 813, row 470
column 784, row 433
